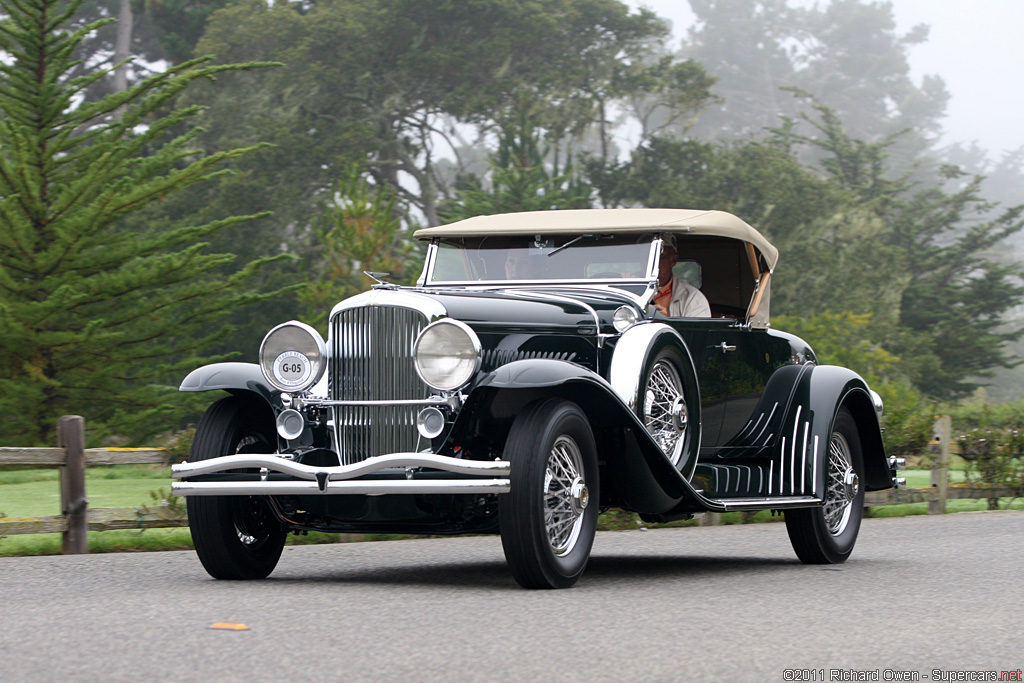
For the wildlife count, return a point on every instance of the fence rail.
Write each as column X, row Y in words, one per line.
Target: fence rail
column 76, row 518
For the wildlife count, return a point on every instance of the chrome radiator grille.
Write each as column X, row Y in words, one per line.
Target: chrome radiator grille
column 371, row 360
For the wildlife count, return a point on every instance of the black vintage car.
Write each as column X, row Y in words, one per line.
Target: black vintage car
column 526, row 383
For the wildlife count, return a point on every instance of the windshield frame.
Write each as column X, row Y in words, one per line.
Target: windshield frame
column 648, row 279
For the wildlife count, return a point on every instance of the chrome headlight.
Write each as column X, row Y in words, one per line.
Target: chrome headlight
column 293, row 357
column 624, row 318
column 447, row 354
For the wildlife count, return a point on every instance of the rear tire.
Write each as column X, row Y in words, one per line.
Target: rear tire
column 236, row 537
column 549, row 518
column 827, row 534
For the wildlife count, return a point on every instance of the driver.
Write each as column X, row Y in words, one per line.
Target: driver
column 522, row 265
column 675, row 297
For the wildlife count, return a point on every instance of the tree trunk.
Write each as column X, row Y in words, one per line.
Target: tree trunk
column 122, row 45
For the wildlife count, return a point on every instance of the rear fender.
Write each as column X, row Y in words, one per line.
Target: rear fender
column 824, row 389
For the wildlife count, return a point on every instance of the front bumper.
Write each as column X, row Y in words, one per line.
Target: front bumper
column 369, row 477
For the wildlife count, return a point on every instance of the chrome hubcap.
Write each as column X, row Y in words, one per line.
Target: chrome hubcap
column 565, row 495
column 842, row 484
column 665, row 412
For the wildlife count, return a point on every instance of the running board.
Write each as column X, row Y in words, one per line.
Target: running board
column 733, row 504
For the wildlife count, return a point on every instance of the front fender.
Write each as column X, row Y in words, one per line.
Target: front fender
column 637, row 475
column 235, row 378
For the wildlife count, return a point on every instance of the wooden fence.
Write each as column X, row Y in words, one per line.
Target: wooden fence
column 77, row 518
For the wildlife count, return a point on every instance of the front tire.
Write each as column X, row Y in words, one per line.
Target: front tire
column 236, row 537
column 826, row 535
column 549, row 518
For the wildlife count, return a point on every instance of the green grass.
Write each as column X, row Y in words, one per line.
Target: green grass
column 36, row 493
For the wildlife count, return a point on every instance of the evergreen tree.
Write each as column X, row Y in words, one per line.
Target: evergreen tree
column 917, row 261
column 359, row 231
column 99, row 312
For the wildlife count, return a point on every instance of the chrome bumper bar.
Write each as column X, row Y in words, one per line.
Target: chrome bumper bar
column 338, row 480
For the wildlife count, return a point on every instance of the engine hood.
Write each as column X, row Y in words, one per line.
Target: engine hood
column 533, row 309
column 510, row 310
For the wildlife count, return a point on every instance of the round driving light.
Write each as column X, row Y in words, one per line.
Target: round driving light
column 447, row 354
column 430, row 423
column 624, row 318
column 290, row 424
column 293, row 357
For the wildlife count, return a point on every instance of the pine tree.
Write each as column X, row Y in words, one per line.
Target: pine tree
column 101, row 311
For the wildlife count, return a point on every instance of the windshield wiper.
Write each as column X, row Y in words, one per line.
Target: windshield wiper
column 574, row 240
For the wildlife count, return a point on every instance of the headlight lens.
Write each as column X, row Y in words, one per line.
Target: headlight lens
column 292, row 356
column 447, row 353
column 624, row 318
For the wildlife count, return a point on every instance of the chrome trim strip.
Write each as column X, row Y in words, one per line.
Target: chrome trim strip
column 803, row 462
column 432, row 401
column 767, row 422
column 768, row 503
column 771, row 473
column 814, row 470
column 366, row 488
column 792, row 455
column 782, row 464
column 341, row 472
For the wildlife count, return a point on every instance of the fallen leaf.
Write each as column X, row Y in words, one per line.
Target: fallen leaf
column 224, row 626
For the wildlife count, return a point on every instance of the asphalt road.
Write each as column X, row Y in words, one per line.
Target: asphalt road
column 731, row 603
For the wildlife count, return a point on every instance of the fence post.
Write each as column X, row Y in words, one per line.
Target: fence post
column 711, row 519
column 940, row 469
column 73, row 503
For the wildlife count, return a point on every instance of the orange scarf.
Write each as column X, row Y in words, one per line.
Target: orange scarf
column 665, row 291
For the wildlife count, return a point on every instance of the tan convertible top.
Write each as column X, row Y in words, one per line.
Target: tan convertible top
column 570, row 221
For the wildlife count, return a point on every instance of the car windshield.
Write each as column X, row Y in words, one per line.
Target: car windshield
column 566, row 258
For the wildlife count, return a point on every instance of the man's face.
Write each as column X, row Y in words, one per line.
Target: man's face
column 669, row 257
column 520, row 265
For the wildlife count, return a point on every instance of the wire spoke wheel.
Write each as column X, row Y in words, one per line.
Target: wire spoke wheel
column 827, row 534
column 665, row 408
column 838, row 491
column 565, row 495
column 549, row 517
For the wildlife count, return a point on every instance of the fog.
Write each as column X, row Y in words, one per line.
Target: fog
column 975, row 47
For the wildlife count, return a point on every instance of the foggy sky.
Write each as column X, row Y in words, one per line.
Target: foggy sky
column 976, row 47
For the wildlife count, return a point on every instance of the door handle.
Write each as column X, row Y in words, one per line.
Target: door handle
column 723, row 347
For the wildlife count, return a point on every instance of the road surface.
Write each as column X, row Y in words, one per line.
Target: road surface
column 919, row 595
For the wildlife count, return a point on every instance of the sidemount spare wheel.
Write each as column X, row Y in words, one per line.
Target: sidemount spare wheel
column 669, row 407
column 236, row 537
column 549, row 518
column 826, row 535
